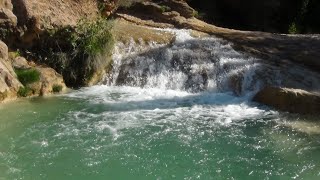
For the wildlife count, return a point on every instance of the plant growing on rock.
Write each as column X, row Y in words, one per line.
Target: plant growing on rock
column 76, row 52
column 92, row 38
column 56, row 88
column 127, row 3
column 165, row 8
column 24, row 91
column 27, row 76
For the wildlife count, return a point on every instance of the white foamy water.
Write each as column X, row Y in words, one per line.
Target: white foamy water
column 201, row 64
column 165, row 112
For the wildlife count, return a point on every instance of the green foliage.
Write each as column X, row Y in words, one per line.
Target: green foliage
column 15, row 54
column 293, row 29
column 93, row 37
column 198, row 15
column 165, row 8
column 101, row 6
column 56, row 88
column 28, row 76
column 296, row 26
column 24, row 92
column 74, row 51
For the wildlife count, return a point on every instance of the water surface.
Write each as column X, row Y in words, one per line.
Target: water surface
column 107, row 132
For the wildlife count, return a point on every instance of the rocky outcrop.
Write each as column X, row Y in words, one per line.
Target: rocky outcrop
column 35, row 17
column 50, row 82
column 20, row 63
column 181, row 7
column 10, row 87
column 291, row 100
column 54, row 13
column 9, row 84
column 7, row 18
column 301, row 49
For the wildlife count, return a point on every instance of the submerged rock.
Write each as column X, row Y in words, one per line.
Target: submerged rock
column 291, row 100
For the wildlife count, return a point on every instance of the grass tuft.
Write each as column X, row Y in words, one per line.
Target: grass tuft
column 28, row 76
column 56, row 88
column 24, row 91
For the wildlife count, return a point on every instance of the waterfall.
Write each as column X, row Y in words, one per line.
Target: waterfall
column 200, row 64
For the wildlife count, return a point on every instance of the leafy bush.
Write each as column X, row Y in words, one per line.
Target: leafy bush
column 56, row 88
column 294, row 28
column 28, row 76
column 24, row 91
column 165, row 8
column 75, row 51
column 92, row 38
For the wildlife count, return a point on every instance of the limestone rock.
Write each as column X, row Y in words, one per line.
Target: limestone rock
column 181, row 7
column 7, row 18
column 6, row 4
column 9, row 84
column 49, row 79
column 291, row 100
column 3, row 50
column 20, row 63
column 55, row 13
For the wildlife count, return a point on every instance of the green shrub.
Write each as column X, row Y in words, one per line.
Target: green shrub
column 92, row 38
column 165, row 8
column 73, row 51
column 24, row 92
column 293, row 29
column 56, row 88
column 198, row 15
column 28, row 76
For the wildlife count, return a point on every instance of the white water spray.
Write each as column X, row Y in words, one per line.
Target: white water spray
column 199, row 64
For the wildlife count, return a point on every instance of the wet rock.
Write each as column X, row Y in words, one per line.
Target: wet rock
column 235, row 83
column 291, row 100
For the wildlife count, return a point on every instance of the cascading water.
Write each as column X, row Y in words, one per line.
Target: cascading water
column 200, row 64
column 165, row 112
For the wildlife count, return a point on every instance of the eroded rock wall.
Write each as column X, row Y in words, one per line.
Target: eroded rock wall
column 9, row 84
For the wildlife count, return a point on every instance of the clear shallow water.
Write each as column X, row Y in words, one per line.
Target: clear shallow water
column 132, row 133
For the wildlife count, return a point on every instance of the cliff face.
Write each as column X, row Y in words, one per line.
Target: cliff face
column 53, row 13
column 9, row 84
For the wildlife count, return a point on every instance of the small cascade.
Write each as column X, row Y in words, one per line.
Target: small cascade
column 200, row 64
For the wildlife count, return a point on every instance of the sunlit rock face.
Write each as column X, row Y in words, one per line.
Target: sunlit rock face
column 292, row 100
column 9, row 84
